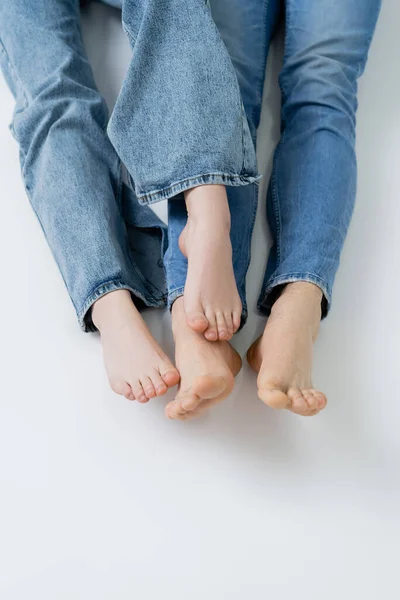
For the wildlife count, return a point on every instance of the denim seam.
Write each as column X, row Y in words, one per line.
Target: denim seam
column 19, row 84
column 275, row 202
column 105, row 288
column 250, row 238
column 151, row 290
column 243, row 117
column 27, row 191
column 233, row 180
column 360, row 68
column 263, row 62
column 174, row 295
column 147, row 284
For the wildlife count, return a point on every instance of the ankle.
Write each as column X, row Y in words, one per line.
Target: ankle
column 302, row 292
column 111, row 308
column 208, row 205
column 178, row 317
column 303, row 300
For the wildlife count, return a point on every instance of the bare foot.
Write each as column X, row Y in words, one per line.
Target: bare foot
column 136, row 366
column 207, row 369
column 282, row 356
column 212, row 302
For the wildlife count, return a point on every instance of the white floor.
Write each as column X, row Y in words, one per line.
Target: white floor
column 105, row 499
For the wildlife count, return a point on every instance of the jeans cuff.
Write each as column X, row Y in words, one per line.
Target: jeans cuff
column 85, row 316
column 226, row 179
column 174, row 295
column 275, row 285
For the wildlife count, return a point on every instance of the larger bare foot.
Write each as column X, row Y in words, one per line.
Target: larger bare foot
column 136, row 366
column 207, row 369
column 212, row 302
column 282, row 356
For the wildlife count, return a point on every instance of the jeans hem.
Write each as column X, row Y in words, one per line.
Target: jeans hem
column 268, row 297
column 226, row 179
column 174, row 295
column 84, row 318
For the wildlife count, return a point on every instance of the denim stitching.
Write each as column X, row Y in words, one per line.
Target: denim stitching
column 249, row 240
column 275, row 202
column 263, row 61
column 19, row 85
column 234, row 180
column 105, row 288
column 294, row 277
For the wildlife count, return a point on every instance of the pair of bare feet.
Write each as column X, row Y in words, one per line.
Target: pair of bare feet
column 203, row 322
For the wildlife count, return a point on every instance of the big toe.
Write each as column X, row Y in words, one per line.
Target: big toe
column 196, row 319
column 170, row 375
column 275, row 398
column 208, row 387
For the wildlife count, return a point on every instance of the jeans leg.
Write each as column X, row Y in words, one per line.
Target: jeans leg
column 246, row 29
column 313, row 186
column 71, row 171
column 179, row 120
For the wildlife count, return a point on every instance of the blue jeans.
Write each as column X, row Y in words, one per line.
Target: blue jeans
column 313, row 184
column 179, row 122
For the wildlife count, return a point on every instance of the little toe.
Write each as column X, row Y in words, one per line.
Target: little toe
column 298, row 403
column 230, row 325
column 321, row 399
column 236, row 319
column 122, row 389
column 211, row 333
column 222, row 327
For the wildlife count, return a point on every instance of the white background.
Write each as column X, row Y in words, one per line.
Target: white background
column 105, row 499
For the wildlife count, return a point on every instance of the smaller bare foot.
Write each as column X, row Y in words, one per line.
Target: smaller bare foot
column 208, row 369
column 136, row 366
column 212, row 302
column 282, row 356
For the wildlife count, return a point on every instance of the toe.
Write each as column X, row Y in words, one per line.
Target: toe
column 148, row 387
column 195, row 318
column 139, row 392
column 174, row 410
column 229, row 325
column 169, row 375
column 160, row 386
column 273, row 395
column 190, row 402
column 311, row 400
column 122, row 389
column 222, row 327
column 321, row 399
column 236, row 319
column 211, row 333
column 298, row 403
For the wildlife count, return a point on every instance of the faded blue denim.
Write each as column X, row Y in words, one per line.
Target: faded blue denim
column 313, row 184
column 178, row 122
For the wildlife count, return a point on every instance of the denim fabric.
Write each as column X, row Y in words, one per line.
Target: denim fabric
column 178, row 122
column 313, row 185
